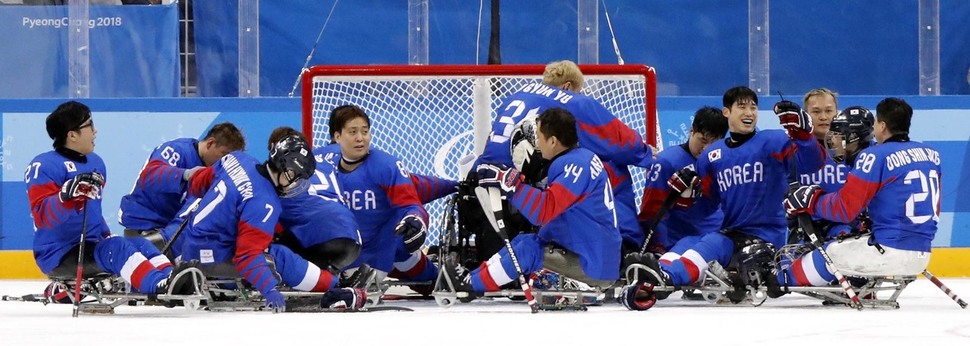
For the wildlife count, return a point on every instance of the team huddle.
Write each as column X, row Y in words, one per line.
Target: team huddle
column 832, row 193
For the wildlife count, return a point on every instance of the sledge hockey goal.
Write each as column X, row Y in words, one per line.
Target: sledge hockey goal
column 431, row 115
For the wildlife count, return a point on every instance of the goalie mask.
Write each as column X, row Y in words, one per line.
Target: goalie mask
column 525, row 153
column 291, row 157
column 851, row 132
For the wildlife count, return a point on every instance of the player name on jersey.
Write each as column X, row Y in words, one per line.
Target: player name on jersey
column 547, row 91
column 740, row 174
column 238, row 176
column 911, row 155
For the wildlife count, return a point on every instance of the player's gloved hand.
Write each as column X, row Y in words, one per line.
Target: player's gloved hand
column 794, row 119
column 685, row 183
column 802, row 199
column 502, row 177
column 82, row 187
column 413, row 230
column 188, row 173
column 275, row 301
column 638, row 297
column 344, row 298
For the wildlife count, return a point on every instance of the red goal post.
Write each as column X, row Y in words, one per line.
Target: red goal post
column 430, row 116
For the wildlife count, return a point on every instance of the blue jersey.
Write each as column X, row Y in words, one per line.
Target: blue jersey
column 899, row 182
column 830, row 178
column 235, row 220
column 380, row 193
column 319, row 215
column 749, row 181
column 57, row 224
column 159, row 191
column 428, row 188
column 598, row 130
column 576, row 211
column 678, row 222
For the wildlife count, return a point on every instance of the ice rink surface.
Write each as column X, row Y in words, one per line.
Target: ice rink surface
column 926, row 317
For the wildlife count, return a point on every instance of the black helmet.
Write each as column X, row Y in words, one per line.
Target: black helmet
column 854, row 124
column 292, row 156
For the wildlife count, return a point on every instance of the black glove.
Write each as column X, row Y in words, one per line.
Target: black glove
column 345, row 298
column 502, row 177
column 686, row 183
column 794, row 119
column 802, row 199
column 638, row 297
column 413, row 230
column 82, row 187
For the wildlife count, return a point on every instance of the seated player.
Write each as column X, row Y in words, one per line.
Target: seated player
column 64, row 188
column 746, row 175
column 684, row 219
column 898, row 181
column 575, row 212
column 380, row 193
column 159, row 191
column 237, row 215
column 316, row 224
column 598, row 130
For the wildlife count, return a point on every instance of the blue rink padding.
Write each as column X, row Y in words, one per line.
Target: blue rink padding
column 128, row 129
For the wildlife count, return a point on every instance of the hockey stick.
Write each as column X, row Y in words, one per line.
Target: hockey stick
column 188, row 216
column 945, row 289
column 805, row 223
column 664, row 207
column 495, row 199
column 80, row 260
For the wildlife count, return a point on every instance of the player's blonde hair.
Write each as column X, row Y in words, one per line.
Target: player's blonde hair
column 558, row 73
column 820, row 92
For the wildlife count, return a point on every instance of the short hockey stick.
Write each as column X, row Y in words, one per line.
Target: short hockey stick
column 495, row 199
column 664, row 207
column 188, row 216
column 945, row 289
column 80, row 260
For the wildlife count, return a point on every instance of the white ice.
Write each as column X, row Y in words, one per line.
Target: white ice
column 926, row 317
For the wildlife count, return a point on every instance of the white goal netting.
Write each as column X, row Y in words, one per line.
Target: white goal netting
column 430, row 116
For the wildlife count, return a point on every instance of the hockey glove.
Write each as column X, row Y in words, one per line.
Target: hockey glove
column 502, row 177
column 638, row 297
column 344, row 298
column 82, row 187
column 685, row 183
column 802, row 199
column 413, row 230
column 794, row 119
column 189, row 172
column 275, row 301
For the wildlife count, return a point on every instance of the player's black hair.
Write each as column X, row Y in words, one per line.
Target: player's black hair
column 341, row 115
column 69, row 116
column 896, row 113
column 710, row 121
column 739, row 94
column 559, row 123
column 282, row 132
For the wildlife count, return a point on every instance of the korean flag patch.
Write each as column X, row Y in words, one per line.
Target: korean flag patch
column 70, row 166
column 714, row 155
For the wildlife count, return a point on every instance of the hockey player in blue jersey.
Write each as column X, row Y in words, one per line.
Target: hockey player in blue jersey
column 746, row 175
column 64, row 188
column 898, row 181
column 160, row 189
column 316, row 224
column 237, row 217
column 378, row 189
column 578, row 236
column 683, row 220
column 598, row 129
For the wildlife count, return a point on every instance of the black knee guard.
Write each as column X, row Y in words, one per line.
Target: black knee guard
column 333, row 255
column 153, row 235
